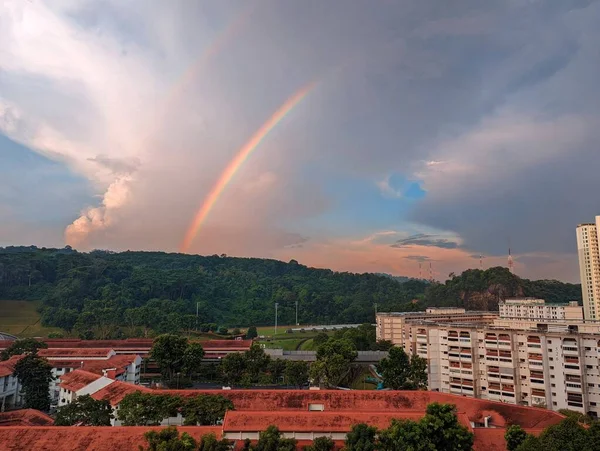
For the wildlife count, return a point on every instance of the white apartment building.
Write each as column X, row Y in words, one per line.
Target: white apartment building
column 531, row 362
column 589, row 267
column 531, row 308
column 10, row 396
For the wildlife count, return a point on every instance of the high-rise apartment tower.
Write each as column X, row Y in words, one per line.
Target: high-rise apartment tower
column 589, row 267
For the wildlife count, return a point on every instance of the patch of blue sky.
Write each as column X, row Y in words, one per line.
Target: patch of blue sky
column 36, row 189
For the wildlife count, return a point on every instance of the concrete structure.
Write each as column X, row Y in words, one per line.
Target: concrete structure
column 589, row 267
column 391, row 326
column 532, row 362
column 532, row 308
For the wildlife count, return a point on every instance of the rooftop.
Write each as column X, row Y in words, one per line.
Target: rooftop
column 332, row 421
column 7, row 367
column 117, row 390
column 84, row 438
column 76, row 380
column 25, row 417
column 342, row 401
column 117, row 361
column 74, row 352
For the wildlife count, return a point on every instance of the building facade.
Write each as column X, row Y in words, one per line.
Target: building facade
column 528, row 362
column 531, row 308
column 589, row 267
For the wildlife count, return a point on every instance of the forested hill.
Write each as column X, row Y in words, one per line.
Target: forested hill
column 161, row 291
column 475, row 289
column 134, row 292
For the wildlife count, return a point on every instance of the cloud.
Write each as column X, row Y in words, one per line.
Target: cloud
column 418, row 258
column 116, row 165
column 426, row 240
column 478, row 124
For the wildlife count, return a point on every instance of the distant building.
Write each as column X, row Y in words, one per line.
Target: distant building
column 589, row 267
column 532, row 308
column 532, row 354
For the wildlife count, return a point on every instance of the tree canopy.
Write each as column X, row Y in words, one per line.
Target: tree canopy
column 35, row 375
column 104, row 294
column 403, row 372
column 85, row 411
column 23, row 346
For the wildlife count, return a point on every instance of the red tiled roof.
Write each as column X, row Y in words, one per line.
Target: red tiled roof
column 117, row 390
column 117, row 361
column 84, row 438
column 7, row 367
column 378, row 401
column 76, row 380
column 332, row 421
column 218, row 345
column 74, row 352
column 132, row 343
column 25, row 417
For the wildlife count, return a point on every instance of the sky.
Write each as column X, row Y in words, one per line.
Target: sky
column 431, row 133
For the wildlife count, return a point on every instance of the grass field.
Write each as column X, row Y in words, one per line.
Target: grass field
column 289, row 342
column 21, row 318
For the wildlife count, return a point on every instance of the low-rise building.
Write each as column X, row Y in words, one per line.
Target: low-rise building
column 10, row 396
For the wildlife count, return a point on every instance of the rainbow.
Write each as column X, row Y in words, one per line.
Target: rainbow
column 235, row 164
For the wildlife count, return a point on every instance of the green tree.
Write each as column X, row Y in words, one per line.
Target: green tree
column 168, row 439
column 321, row 444
column 256, row 361
column 444, row 432
column 362, row 437
column 271, row 440
column 296, row 373
column 320, row 339
column 168, row 352
column 205, row 410
column 147, row 409
column 85, row 411
column 568, row 435
column 23, row 346
column 531, row 443
column 333, row 362
column 593, row 434
column 233, row 367
column 192, row 358
column 209, row 442
column 404, row 435
column 35, row 374
column 251, row 333
column 514, row 436
column 401, row 372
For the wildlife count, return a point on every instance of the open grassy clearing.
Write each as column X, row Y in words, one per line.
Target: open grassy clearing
column 22, row 319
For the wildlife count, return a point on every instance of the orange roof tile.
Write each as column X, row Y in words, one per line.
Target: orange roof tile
column 117, row 390
column 377, row 401
column 84, row 438
column 25, row 417
column 332, row 421
column 117, row 361
column 76, row 380
column 226, row 344
column 74, row 352
column 7, row 367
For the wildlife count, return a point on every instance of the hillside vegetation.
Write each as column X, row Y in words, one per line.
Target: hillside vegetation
column 105, row 294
